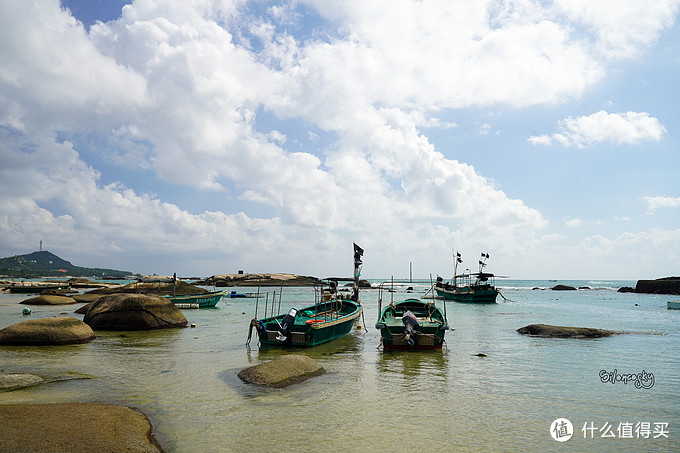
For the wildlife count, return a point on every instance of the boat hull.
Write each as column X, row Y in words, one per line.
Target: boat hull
column 472, row 296
column 674, row 305
column 309, row 329
column 430, row 331
column 33, row 289
column 206, row 300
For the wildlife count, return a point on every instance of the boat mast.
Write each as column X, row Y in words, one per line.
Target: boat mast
column 482, row 262
column 358, row 253
column 456, row 261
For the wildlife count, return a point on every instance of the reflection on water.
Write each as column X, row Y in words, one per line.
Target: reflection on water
column 372, row 400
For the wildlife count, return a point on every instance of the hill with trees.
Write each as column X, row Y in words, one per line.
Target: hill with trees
column 47, row 264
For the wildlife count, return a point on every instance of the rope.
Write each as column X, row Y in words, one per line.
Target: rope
column 505, row 298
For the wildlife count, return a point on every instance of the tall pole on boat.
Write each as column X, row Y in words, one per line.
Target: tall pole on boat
column 410, row 272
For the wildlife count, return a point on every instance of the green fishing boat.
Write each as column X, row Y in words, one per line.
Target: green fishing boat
column 206, row 300
column 479, row 287
column 411, row 324
column 332, row 315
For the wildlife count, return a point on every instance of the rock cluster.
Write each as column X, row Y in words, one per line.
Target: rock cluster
column 259, row 280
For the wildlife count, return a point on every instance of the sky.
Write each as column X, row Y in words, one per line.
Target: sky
column 204, row 137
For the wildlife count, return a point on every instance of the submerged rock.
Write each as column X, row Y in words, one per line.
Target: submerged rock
column 133, row 312
column 281, row 372
column 563, row 288
column 13, row 381
column 46, row 331
column 71, row 427
column 626, row 289
column 49, row 299
column 545, row 330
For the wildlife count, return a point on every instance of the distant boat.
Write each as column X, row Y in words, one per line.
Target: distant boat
column 206, row 300
column 33, row 289
column 234, row 294
column 674, row 305
column 331, row 316
column 479, row 287
column 411, row 324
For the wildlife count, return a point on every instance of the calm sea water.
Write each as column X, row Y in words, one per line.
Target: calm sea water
column 369, row 400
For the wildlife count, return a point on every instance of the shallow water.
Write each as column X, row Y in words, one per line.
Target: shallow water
column 370, row 400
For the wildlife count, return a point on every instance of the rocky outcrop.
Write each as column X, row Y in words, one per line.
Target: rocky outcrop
column 133, row 312
column 161, row 288
column 71, row 427
column 545, row 330
column 563, row 288
column 47, row 299
column 281, row 372
column 667, row 285
column 260, row 280
column 626, row 289
column 46, row 331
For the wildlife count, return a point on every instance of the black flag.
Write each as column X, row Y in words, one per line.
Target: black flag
column 358, row 253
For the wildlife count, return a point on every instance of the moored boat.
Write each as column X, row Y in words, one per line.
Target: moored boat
column 411, row 324
column 33, row 288
column 673, row 305
column 332, row 315
column 478, row 287
column 206, row 300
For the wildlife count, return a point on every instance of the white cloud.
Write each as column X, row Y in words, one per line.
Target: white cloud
column 573, row 222
column 653, row 203
column 603, row 127
column 621, row 28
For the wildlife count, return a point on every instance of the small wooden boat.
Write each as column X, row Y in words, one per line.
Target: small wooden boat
column 206, row 300
column 411, row 324
column 673, row 305
column 235, row 295
column 332, row 315
column 479, row 287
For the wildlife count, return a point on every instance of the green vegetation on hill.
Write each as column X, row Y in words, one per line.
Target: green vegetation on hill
column 46, row 264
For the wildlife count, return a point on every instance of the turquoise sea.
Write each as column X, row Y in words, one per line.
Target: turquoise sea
column 369, row 400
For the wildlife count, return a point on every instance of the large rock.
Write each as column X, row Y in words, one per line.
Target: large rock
column 545, row 330
column 282, row 372
column 46, row 299
column 667, row 285
column 133, row 312
column 74, row 427
column 46, row 331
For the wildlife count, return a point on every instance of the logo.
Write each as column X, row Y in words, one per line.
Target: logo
column 642, row 380
column 561, row 430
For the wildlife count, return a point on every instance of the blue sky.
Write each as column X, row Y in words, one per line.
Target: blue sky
column 203, row 137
